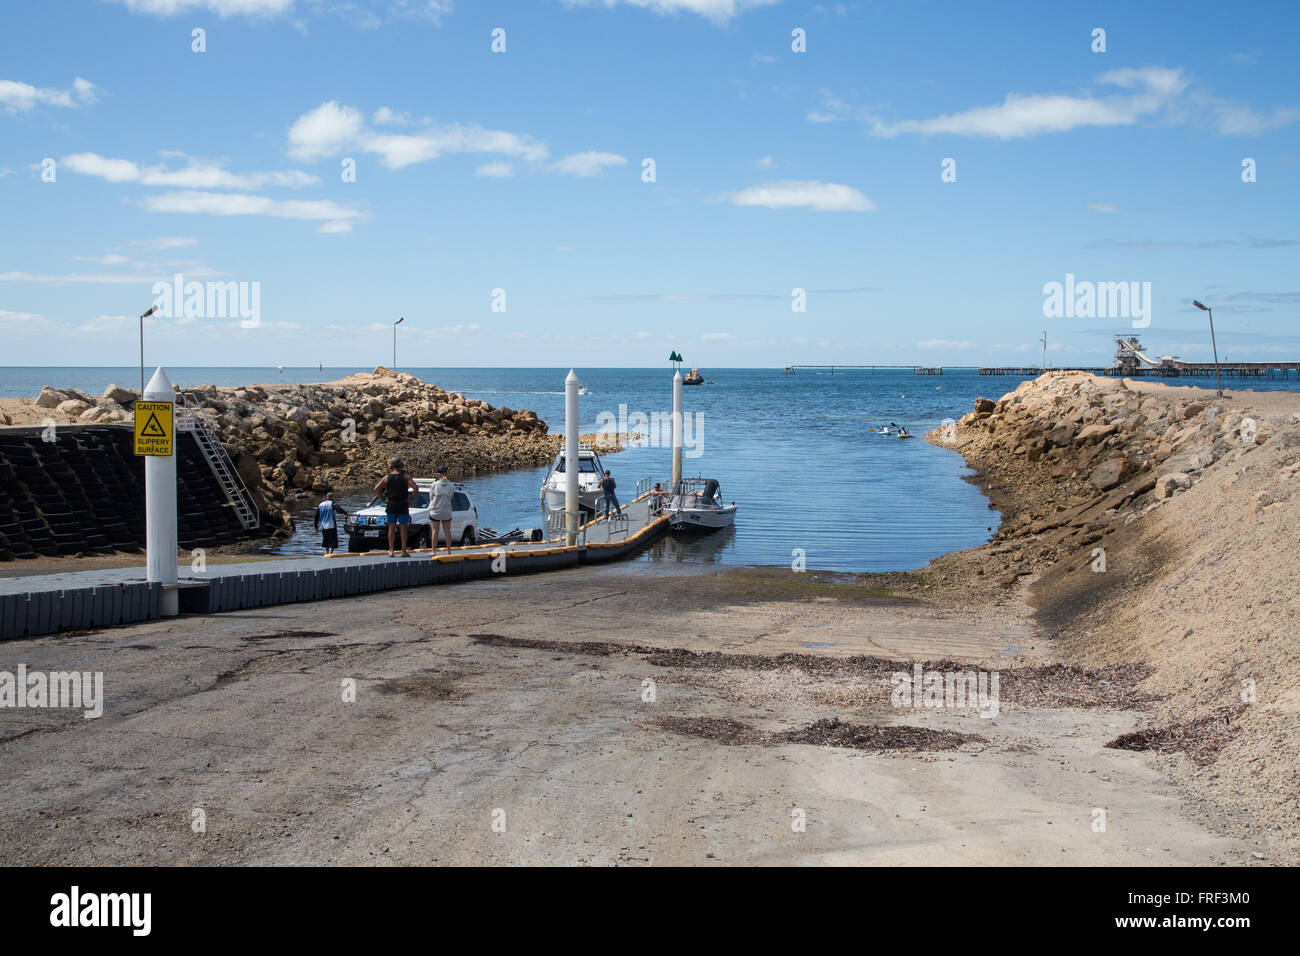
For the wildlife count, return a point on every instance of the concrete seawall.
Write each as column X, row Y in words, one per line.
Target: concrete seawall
column 83, row 493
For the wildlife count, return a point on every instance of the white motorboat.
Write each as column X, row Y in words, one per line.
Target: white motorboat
column 696, row 505
column 590, row 471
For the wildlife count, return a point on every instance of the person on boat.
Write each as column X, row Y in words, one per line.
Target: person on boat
column 327, row 514
column 397, row 489
column 903, row 432
column 440, row 500
column 610, row 501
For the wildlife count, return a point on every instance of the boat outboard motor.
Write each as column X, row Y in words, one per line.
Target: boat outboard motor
column 711, row 489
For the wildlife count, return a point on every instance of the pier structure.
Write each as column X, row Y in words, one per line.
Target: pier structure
column 1264, row 370
column 47, row 603
column 916, row 369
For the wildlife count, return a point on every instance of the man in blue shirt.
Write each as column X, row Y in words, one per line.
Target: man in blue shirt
column 327, row 513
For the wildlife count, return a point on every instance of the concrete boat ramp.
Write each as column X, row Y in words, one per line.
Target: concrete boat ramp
column 48, row 603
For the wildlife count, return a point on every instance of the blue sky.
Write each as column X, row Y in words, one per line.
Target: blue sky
column 522, row 171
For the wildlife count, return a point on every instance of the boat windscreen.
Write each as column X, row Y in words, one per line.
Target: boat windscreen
column 585, row 467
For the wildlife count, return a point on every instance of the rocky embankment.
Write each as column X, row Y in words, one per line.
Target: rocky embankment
column 1070, row 457
column 288, row 440
column 1157, row 525
column 66, row 406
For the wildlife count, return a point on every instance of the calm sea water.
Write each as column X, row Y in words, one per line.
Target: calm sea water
column 792, row 450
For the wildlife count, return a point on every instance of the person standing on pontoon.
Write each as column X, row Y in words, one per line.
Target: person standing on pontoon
column 657, row 498
column 397, row 488
column 607, row 486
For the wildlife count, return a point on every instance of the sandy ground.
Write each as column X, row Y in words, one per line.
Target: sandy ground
column 533, row 742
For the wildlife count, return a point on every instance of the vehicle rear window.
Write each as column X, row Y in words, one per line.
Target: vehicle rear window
column 459, row 502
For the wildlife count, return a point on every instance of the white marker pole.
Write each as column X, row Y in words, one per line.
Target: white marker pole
column 160, row 504
column 677, row 429
column 571, row 457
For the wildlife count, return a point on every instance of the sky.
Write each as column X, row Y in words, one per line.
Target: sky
column 750, row 183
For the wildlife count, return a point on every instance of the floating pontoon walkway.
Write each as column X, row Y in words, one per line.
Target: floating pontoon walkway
column 47, row 603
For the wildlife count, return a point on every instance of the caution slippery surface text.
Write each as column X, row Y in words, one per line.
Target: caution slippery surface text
column 153, row 428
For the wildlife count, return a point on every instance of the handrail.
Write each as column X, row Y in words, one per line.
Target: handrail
column 557, row 525
column 209, row 442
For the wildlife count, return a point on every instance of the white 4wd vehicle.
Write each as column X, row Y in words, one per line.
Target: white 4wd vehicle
column 368, row 529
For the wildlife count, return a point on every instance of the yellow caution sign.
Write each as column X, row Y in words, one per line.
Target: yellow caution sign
column 153, row 428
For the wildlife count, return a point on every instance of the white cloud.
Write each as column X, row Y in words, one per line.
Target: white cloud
column 1150, row 93
column 357, row 15
column 1109, row 208
column 496, row 170
column 766, row 162
column 944, row 344
column 84, row 90
column 332, row 128
column 324, row 131
column 720, row 11
column 164, row 243
column 386, row 117
column 585, row 165
column 1237, row 119
column 1155, row 88
column 19, row 97
column 196, row 174
column 108, row 259
column 802, row 194
column 398, row 150
column 23, row 318
column 716, row 336
column 335, row 217
column 222, row 8
column 82, row 278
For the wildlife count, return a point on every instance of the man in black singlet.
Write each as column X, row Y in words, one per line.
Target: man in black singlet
column 397, row 489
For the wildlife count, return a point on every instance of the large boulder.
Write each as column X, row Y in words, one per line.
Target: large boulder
column 1174, row 481
column 73, row 407
column 50, row 397
column 115, row 393
column 1111, row 473
column 1095, row 432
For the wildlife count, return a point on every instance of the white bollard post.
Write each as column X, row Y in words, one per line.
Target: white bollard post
column 160, row 504
column 571, row 502
column 677, row 429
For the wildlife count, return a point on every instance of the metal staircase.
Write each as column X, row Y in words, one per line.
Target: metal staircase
column 205, row 436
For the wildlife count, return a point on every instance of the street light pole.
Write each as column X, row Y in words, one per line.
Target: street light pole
column 152, row 309
column 1205, row 308
column 395, row 325
column 1044, row 341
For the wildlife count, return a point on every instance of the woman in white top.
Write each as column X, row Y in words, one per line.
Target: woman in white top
column 440, row 497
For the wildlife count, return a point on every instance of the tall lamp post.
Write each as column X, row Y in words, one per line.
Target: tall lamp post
column 152, row 309
column 1205, row 308
column 1044, row 341
column 395, row 325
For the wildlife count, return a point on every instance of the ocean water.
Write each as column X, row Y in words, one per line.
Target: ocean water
column 794, row 451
